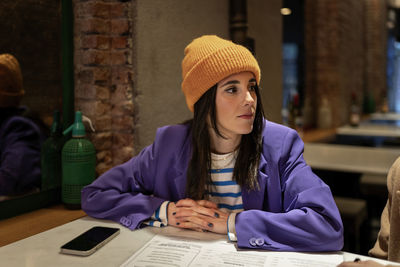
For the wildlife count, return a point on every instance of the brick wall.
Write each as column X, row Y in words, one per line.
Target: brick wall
column 104, row 76
column 375, row 46
column 351, row 53
column 345, row 53
column 321, row 52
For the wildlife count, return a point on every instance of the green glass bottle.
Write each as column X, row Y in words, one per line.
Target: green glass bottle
column 78, row 164
column 51, row 155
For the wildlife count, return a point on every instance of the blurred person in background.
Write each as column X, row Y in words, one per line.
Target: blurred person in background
column 20, row 137
column 387, row 245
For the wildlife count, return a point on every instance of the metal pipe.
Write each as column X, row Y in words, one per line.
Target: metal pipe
column 67, row 62
column 238, row 24
column 238, row 21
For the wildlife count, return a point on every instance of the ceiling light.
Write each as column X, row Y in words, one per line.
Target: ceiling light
column 286, row 11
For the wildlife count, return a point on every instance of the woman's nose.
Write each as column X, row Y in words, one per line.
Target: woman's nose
column 249, row 98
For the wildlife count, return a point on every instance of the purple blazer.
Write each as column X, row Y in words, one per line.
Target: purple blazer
column 20, row 144
column 293, row 210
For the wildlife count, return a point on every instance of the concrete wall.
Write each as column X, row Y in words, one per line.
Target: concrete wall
column 265, row 26
column 164, row 28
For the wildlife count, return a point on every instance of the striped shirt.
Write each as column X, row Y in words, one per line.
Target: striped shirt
column 223, row 191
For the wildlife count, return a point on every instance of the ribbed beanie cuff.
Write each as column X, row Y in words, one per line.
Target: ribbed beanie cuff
column 208, row 60
column 11, row 89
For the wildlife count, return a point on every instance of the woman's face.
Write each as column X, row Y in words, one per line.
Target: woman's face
column 236, row 103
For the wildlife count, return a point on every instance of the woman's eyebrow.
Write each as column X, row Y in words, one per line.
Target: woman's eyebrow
column 237, row 82
column 230, row 82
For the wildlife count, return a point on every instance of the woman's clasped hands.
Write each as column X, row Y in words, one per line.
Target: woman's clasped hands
column 198, row 215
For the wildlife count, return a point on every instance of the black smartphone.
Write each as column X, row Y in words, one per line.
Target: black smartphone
column 90, row 241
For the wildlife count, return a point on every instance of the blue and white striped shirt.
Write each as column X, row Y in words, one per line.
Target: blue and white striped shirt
column 223, row 191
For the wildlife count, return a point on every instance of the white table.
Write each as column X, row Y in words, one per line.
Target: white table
column 370, row 129
column 386, row 116
column 378, row 125
column 371, row 160
column 43, row 249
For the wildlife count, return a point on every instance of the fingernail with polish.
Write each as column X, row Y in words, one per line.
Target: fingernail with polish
column 216, row 215
column 210, row 225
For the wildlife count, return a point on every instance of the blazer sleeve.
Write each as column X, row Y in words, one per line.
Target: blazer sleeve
column 19, row 156
column 308, row 220
column 124, row 194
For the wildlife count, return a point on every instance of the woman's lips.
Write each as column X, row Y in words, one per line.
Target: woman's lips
column 246, row 116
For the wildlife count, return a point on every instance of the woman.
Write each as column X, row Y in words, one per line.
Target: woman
column 228, row 170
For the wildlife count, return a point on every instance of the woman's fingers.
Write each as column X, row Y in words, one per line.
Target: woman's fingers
column 180, row 216
column 190, row 215
column 195, row 221
column 204, row 207
column 187, row 202
column 198, row 215
column 202, row 220
column 192, row 211
column 207, row 204
column 192, row 223
column 188, row 219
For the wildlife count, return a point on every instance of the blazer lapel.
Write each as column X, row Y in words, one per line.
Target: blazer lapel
column 255, row 199
column 181, row 166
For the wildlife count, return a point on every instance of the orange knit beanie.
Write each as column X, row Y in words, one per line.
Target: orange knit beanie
column 11, row 90
column 208, row 60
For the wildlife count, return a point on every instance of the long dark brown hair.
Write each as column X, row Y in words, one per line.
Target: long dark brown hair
column 250, row 148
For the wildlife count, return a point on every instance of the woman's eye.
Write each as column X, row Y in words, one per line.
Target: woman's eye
column 252, row 88
column 231, row 90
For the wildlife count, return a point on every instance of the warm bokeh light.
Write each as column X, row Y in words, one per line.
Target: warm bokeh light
column 286, row 11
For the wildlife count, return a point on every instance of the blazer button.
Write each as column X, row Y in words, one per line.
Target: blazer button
column 252, row 242
column 260, row 242
column 125, row 221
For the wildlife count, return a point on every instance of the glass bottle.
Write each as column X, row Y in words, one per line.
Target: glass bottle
column 51, row 155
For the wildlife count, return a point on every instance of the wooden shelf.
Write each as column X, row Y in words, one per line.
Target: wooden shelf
column 32, row 223
column 318, row 135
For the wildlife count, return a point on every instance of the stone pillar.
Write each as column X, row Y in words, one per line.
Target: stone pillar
column 104, row 76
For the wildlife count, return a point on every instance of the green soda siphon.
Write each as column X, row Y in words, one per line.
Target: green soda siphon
column 78, row 164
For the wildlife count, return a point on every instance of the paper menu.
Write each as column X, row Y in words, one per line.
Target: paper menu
column 176, row 251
